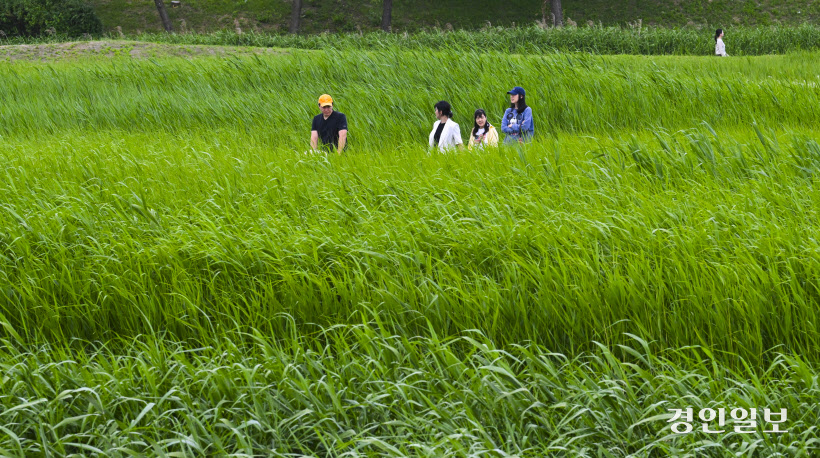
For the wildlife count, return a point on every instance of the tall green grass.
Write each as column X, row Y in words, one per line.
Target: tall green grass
column 176, row 276
column 360, row 391
column 178, row 189
column 275, row 95
column 685, row 239
column 536, row 40
column 636, row 40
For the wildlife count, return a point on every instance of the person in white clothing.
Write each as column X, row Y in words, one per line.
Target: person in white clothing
column 720, row 48
column 446, row 133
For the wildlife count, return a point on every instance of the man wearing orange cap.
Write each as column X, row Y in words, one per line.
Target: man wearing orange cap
column 330, row 126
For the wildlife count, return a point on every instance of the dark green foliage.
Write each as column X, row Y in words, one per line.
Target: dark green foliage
column 31, row 18
column 416, row 15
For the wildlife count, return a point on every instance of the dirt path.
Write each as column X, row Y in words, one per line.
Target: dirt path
column 133, row 49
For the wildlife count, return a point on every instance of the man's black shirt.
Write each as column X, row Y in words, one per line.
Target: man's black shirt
column 329, row 128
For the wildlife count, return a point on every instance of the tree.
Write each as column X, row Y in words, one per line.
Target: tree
column 387, row 14
column 295, row 16
column 557, row 14
column 163, row 15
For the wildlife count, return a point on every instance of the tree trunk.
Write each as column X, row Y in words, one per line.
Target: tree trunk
column 295, row 16
column 557, row 13
column 387, row 15
column 163, row 14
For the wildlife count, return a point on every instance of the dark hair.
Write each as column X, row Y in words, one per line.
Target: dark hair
column 478, row 113
column 521, row 105
column 444, row 108
column 717, row 33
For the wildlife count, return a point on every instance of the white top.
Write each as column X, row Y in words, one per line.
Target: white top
column 450, row 135
column 720, row 48
column 479, row 133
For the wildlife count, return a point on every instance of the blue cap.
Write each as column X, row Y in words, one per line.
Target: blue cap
column 517, row 91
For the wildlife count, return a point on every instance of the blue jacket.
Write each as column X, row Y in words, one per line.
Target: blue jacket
column 522, row 129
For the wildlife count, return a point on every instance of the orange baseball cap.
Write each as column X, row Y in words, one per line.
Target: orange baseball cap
column 325, row 101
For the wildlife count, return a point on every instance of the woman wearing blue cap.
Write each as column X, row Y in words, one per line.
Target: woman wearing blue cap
column 517, row 121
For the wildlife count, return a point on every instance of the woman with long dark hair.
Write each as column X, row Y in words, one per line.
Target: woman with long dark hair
column 517, row 121
column 446, row 133
column 720, row 48
column 483, row 133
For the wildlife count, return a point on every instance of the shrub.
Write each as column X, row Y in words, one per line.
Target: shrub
column 31, row 18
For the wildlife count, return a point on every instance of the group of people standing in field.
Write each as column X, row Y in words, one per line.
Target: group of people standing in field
column 330, row 127
column 516, row 124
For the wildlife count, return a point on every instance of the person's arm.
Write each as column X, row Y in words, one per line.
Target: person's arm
column 526, row 124
column 526, row 121
column 314, row 134
column 504, row 127
column 342, row 141
column 457, row 137
column 491, row 137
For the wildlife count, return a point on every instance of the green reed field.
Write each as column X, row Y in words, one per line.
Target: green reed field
column 177, row 278
column 634, row 39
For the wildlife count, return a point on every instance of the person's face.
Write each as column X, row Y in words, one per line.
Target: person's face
column 514, row 98
column 438, row 114
column 327, row 110
column 481, row 120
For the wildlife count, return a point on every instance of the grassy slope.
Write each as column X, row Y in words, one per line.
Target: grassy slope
column 116, row 48
column 337, row 15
